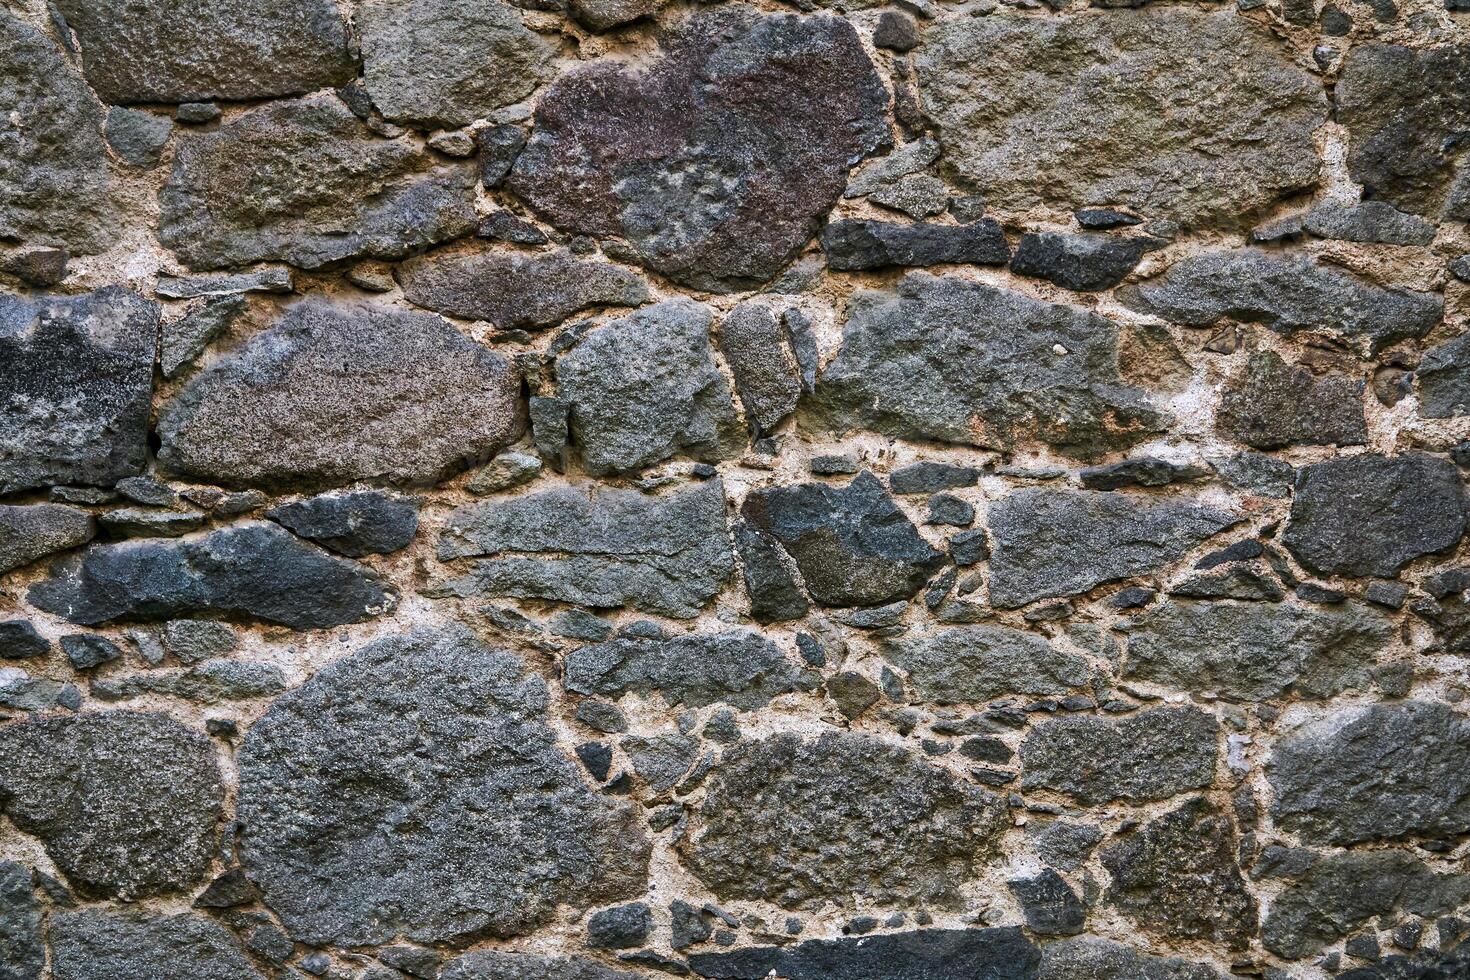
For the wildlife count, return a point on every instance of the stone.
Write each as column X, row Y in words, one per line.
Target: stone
column 1254, row 652
column 20, row 641
column 736, row 667
column 137, row 137
column 1403, row 109
column 761, row 353
column 921, row 954
column 32, row 531
column 949, row 360
column 949, row 510
column 621, row 927
column 518, row 966
column 1288, row 294
column 1086, row 263
column 332, row 394
column 228, row 201
column 506, row 471
column 88, row 650
column 209, row 683
column 1058, row 112
column 1370, row 221
column 770, row 577
column 896, row 31
column 1374, row 773
column 596, row 758
column 688, row 925
column 22, row 950
column 196, row 113
column 853, row 693
column 516, row 290
column 1371, row 514
column 1062, row 843
column 662, row 760
column 499, row 147
column 1050, row 543
column 929, row 477
column 1250, row 582
column 1272, row 404
column 1424, row 965
column 1050, row 906
column 422, row 752
column 1176, row 877
column 975, row 664
column 1257, row 473
column 185, row 339
column 1443, row 377
column 834, row 795
column 227, row 891
column 146, row 522
column 853, row 545
column 22, row 692
column 917, row 195
column 442, row 64
column 1092, row 958
column 41, row 267
column 1141, row 471
column 1151, row 755
column 76, row 382
column 601, row 716
column 887, row 170
column 193, row 640
column 717, row 160
column 854, row 245
column 601, row 15
column 265, row 279
column 93, row 944
column 253, row 570
column 352, row 523
column 127, row 805
column 612, row 548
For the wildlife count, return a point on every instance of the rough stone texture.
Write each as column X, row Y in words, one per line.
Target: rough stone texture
column 1273, row 404
column 516, row 966
column 924, row 954
column 761, row 352
column 858, row 245
column 89, row 944
column 1088, row 263
column 1444, row 379
column 1149, row 756
column 417, row 761
column 977, row 663
column 22, row 952
column 209, row 683
column 1089, row 958
column 356, row 523
column 35, row 531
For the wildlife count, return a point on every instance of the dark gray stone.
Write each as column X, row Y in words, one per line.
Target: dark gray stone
column 128, row 805
column 421, row 756
column 265, row 279
column 42, row 267
column 137, row 137
column 1141, row 471
column 354, row 523
column 661, row 760
column 1273, row 404
column 20, row 641
column 1062, row 843
column 186, row 338
column 859, row 244
column 520, row 966
column 1091, row 958
column 928, row 477
column 1152, row 755
column 770, row 577
column 506, row 471
column 34, row 531
column 1257, row 473
column 761, row 353
column 949, row 510
column 193, row 640
column 1425, row 965
column 1444, row 379
column 22, row 950
column 922, row 954
column 92, row 944
column 550, row 429
column 209, row 683
column 1086, row 263
column 736, row 667
column 974, row 664
column 597, row 758
column 1371, row 221
column 621, row 927
column 1050, row 906
column 499, row 147
column 896, row 31
column 145, row 522
column 688, row 926
column 88, row 650
column 600, row 15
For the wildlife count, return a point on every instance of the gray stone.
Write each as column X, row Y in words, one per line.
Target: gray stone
column 836, row 795
column 88, row 650
column 174, row 51
column 265, row 279
column 137, row 137
column 735, row 667
column 332, row 394
column 1061, row 112
column 688, row 926
column 1049, row 543
column 600, row 15
column 22, row 692
column 1371, row 221
column 92, row 944
column 859, row 244
column 1376, row 773
column 550, row 429
column 886, row 170
column 1062, row 843
column 974, row 664
column 1050, row 906
column 184, row 339
column 32, row 531
column 519, row 966
column 716, row 161
column 955, row 361
column 442, row 64
column 353, row 523
column 516, row 290
column 853, row 545
column 147, row 522
column 921, row 954
column 1091, row 958
column 1141, row 471
column 645, row 387
column 209, row 683
column 42, row 267
column 1371, row 515
column 127, row 805
column 927, row 477
column 1152, row 755
column 76, row 381
column 193, row 640
column 896, row 31
column 395, row 198
column 20, row 641
column 667, row 555
column 22, row 951
column 499, row 146
column 761, row 353
column 1254, row 652
column 949, row 510
column 770, row 577
column 620, row 927
column 1087, row 263
column 1257, row 473
column 420, row 756
column 1288, row 294
column 506, row 471
column 1444, row 379
column 1272, row 404
column 254, row 570
column 1246, row 581
column 917, row 195
column 601, row 716
column 661, row 760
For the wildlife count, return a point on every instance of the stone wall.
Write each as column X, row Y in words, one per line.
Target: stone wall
column 615, row 489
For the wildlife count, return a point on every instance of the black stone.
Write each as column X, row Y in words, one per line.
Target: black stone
column 1087, row 263
column 1050, row 906
column 620, row 927
column 355, row 523
column 857, row 244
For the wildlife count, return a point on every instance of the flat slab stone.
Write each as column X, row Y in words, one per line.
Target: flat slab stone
column 974, row 664
column 1093, row 958
column 1152, row 755
column 920, row 954
column 92, row 944
column 34, row 531
column 22, row 949
column 489, row 965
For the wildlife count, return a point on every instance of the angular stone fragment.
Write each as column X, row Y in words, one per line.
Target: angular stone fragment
column 954, row 361
column 446, row 63
column 193, row 640
column 506, row 471
column 209, row 683
column 517, row 290
column 33, row 531
column 972, row 664
column 1062, row 542
column 1371, row 515
column 332, row 394
column 1371, row 221
column 1049, row 904
column 76, row 382
column 1288, row 294
column 1444, row 379
column 265, row 279
column 137, row 137
column 355, row 523
column 761, row 353
column 858, row 244
column 922, row 954
column 519, row 966
column 835, row 795
column 20, row 641
column 92, row 944
column 1091, row 958
column 412, row 789
column 1273, row 404
column 645, row 387
column 735, row 667
column 254, row 570
column 25, row 693
column 1062, row 112
column 770, row 577
column 718, row 160
column 666, row 555
column 1152, row 755
column 1378, row 773
column 662, row 760
column 1087, row 263
column 620, row 927
column 184, row 339
column 1141, row 471
column 346, row 193
column 600, row 15
column 88, row 650
column 1427, row 964
column 22, row 951
column 127, row 804
column 927, row 477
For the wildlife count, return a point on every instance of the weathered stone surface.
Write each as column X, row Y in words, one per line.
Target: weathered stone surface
column 209, row 683
column 91, row 944
column 1050, row 906
column 835, row 795
column 927, row 477
column 22, row 951
column 1252, row 651
column 770, row 577
column 1382, row 772
column 853, row 545
column 193, row 640
column 1371, row 221
column 1141, row 471
column 518, row 966
column 88, row 650
column 1371, row 514
column 1288, row 294
column 418, row 761
column 1090, row 958
column 354, row 523
column 620, row 927
column 599, row 15
column 331, row 394
column 1087, row 263
column 184, row 339
column 645, row 387
column 76, row 381
column 1062, row 542
column 717, row 161
column 1444, row 379
column 978, row 663
column 127, row 804
column 446, row 63
column 1427, row 964
column 736, row 667
column 661, row 760
column 255, row 570
column 517, row 290
column 36, row 530
column 1273, row 404
column 137, row 137
column 20, row 641
column 956, row 361
column 923, row 954
column 762, row 354
column 305, row 182
column 1062, row 112
column 667, row 554
column 1152, row 755
column 858, row 244
column 1404, row 110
